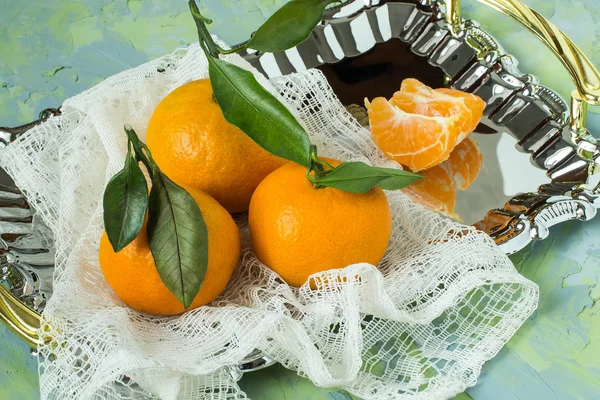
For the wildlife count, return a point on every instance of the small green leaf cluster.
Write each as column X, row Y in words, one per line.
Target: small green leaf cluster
column 177, row 234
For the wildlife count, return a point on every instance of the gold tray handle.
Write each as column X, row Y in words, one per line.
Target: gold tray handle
column 19, row 318
column 584, row 73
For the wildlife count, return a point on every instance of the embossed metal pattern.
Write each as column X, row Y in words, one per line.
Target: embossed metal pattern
column 583, row 72
column 471, row 59
column 8, row 135
column 26, row 263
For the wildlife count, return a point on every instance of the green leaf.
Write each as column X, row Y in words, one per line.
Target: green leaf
column 358, row 177
column 125, row 202
column 398, row 179
column 178, row 238
column 247, row 105
column 289, row 26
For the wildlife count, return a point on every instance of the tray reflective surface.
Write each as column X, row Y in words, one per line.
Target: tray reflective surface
column 505, row 173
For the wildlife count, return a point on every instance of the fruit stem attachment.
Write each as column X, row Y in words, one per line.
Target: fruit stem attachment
column 318, row 167
column 317, row 163
column 206, row 41
column 141, row 151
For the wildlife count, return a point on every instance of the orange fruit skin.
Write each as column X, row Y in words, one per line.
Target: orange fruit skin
column 297, row 230
column 419, row 126
column 132, row 272
column 196, row 147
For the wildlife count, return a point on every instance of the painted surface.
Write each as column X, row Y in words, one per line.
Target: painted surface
column 50, row 50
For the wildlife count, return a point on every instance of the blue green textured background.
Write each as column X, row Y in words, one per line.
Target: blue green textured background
column 51, row 50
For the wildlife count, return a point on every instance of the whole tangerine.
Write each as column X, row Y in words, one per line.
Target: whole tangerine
column 133, row 276
column 196, row 147
column 298, row 230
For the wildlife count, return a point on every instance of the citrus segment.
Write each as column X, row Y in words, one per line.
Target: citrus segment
column 297, row 230
column 465, row 163
column 418, row 98
column 132, row 272
column 419, row 126
column 473, row 106
column 437, row 190
column 414, row 140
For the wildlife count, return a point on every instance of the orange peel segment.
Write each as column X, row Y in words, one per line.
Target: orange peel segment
column 437, row 190
column 420, row 126
column 414, row 140
column 465, row 162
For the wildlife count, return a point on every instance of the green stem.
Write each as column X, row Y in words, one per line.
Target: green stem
column 326, row 164
column 312, row 179
column 317, row 164
column 201, row 17
column 318, row 167
column 209, row 46
column 142, row 153
column 235, row 49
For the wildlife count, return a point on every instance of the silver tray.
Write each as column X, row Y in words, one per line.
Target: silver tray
column 391, row 40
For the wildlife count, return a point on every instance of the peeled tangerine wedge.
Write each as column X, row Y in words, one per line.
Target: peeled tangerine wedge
column 465, row 162
column 427, row 130
column 437, row 191
column 419, row 127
